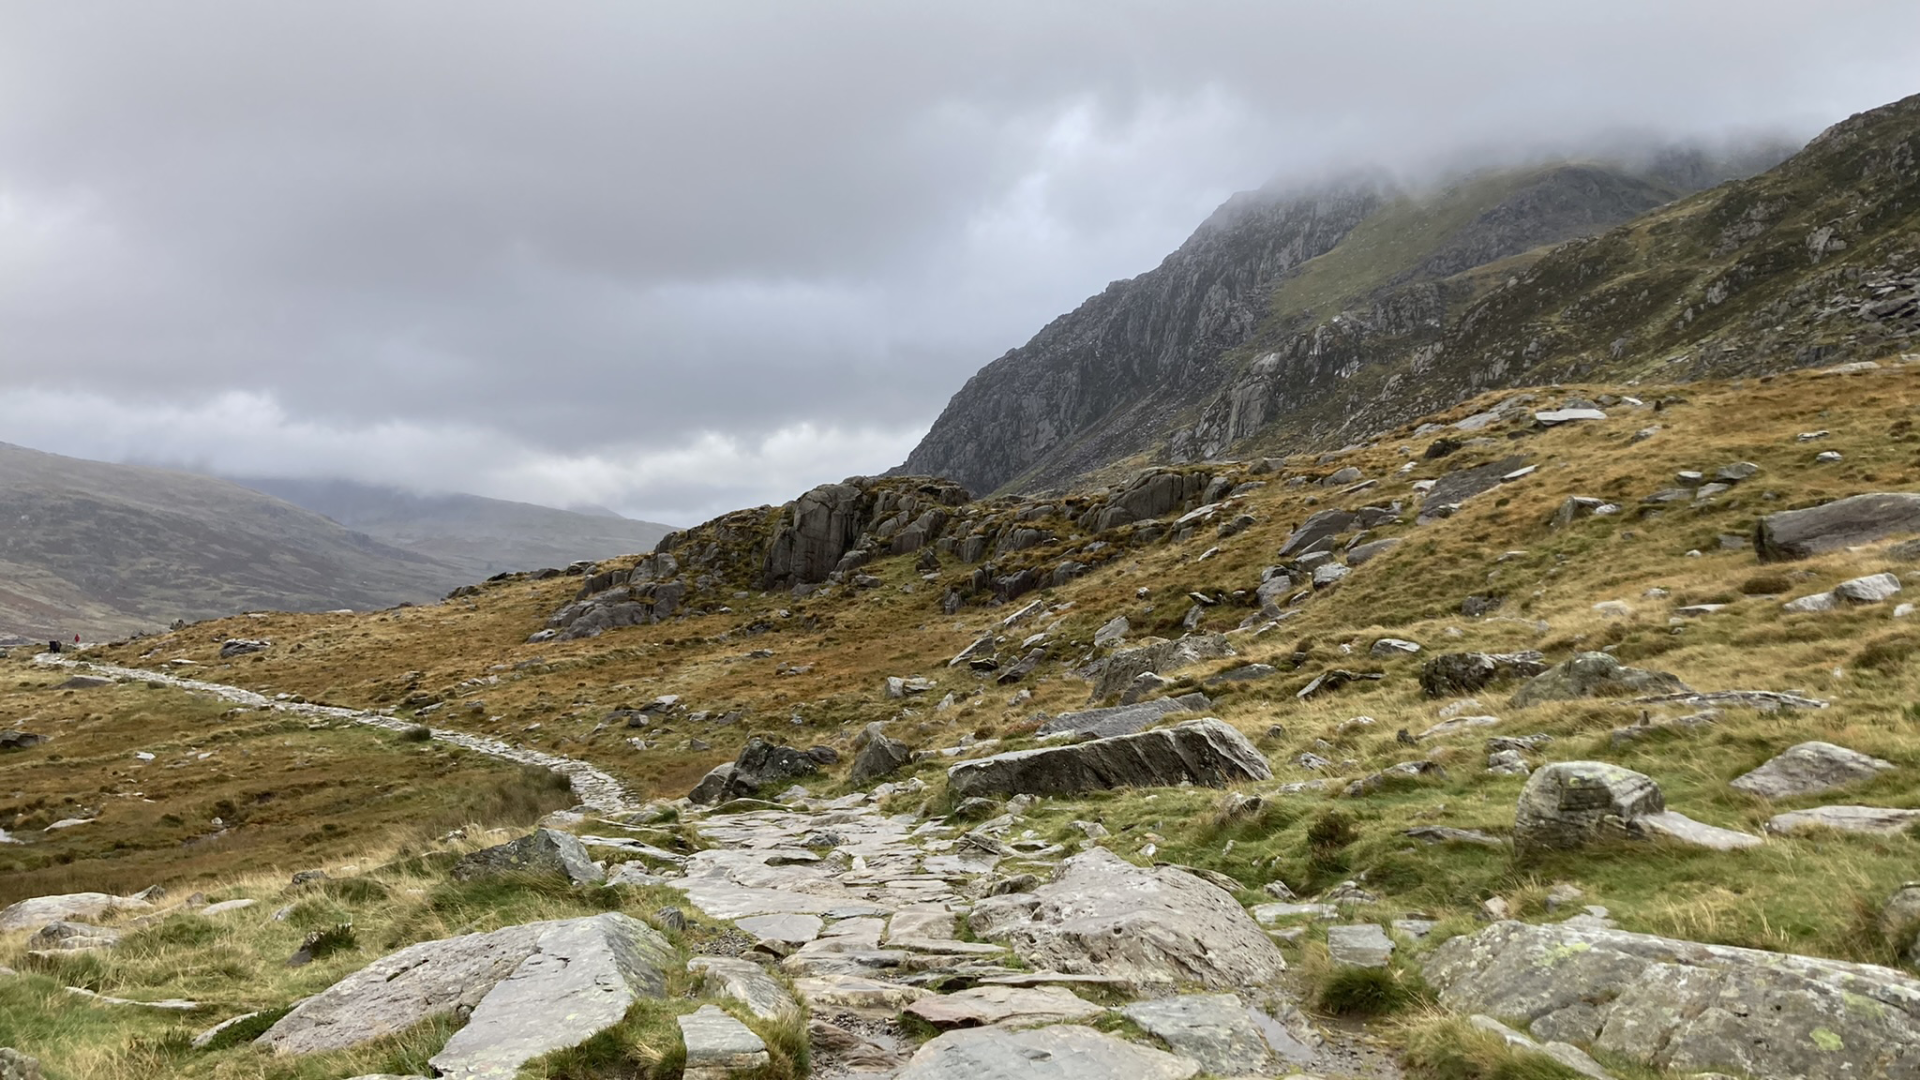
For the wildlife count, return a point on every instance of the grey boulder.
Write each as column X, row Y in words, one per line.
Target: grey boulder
column 543, row 851
column 879, row 756
column 1875, row 820
column 1686, row 1006
column 1204, row 751
column 1218, row 1032
column 41, row 910
column 1568, row 804
column 530, row 989
column 746, row 982
column 15, row 1065
column 1141, row 927
column 1808, row 769
column 1452, row 674
column 1857, row 519
column 1066, row 1052
column 1595, row 674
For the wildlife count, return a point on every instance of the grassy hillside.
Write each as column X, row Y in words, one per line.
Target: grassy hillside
column 813, row 670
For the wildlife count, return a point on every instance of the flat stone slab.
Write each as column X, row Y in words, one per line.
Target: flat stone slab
column 1361, row 945
column 579, row 981
column 1808, row 769
column 225, row 906
column 746, row 982
column 782, row 934
column 1680, row 828
column 1215, row 1031
column 530, row 989
column 79, row 907
column 719, row 1046
column 1268, row 914
column 1065, row 1052
column 856, row 993
column 1011, row 1006
column 1874, row 820
column 1122, row 719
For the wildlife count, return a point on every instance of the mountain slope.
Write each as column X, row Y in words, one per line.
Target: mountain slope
column 1272, row 273
column 480, row 536
column 99, row 550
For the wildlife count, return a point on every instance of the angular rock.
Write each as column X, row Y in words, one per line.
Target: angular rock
column 543, row 851
column 718, row 1046
column 1122, row 719
column 531, row 989
column 20, row 740
column 1817, row 602
column 1848, row 522
column 745, row 982
column 1686, row 1006
column 1010, row 1006
column 1203, row 751
column 1872, row 820
column 1360, row 554
column 1462, row 484
column 1570, row 803
column 761, row 766
column 1361, row 945
column 856, row 993
column 1452, row 674
column 1595, row 674
column 1317, row 532
column 1218, row 1032
column 1065, row 1052
column 1872, row 589
column 1387, row 646
column 1141, row 927
column 1808, row 769
column 1111, row 631
column 879, row 757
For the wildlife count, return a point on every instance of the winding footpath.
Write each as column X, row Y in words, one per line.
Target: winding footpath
column 594, row 788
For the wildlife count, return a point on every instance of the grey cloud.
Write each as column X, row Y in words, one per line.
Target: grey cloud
column 601, row 230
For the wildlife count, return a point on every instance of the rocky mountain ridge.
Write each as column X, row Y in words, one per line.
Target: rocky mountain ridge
column 1295, row 321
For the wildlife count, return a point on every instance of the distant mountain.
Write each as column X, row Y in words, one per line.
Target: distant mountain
column 104, row 550
column 1294, row 318
column 480, row 536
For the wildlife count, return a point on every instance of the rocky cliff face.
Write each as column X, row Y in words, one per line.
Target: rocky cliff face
column 1310, row 320
column 1126, row 360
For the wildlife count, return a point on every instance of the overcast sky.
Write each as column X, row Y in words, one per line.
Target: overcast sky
column 677, row 258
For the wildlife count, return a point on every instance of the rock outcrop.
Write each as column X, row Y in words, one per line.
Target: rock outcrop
column 1595, row 674
column 1065, row 1052
column 1842, row 523
column 1686, row 1006
column 1143, row 928
column 530, row 989
column 1204, row 751
column 543, row 851
column 1809, row 769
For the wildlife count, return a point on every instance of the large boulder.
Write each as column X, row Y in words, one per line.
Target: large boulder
column 1122, row 719
column 821, row 525
column 1066, row 1052
column 41, row 910
column 1462, row 484
column 1857, row 519
column 1204, row 751
column 879, row 756
column 543, row 851
column 1808, row 769
column 1569, row 803
column 1145, row 928
column 1595, row 674
column 1685, row 1006
column 531, row 989
column 1452, row 674
column 761, row 766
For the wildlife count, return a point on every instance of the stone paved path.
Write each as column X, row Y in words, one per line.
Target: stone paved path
column 591, row 786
